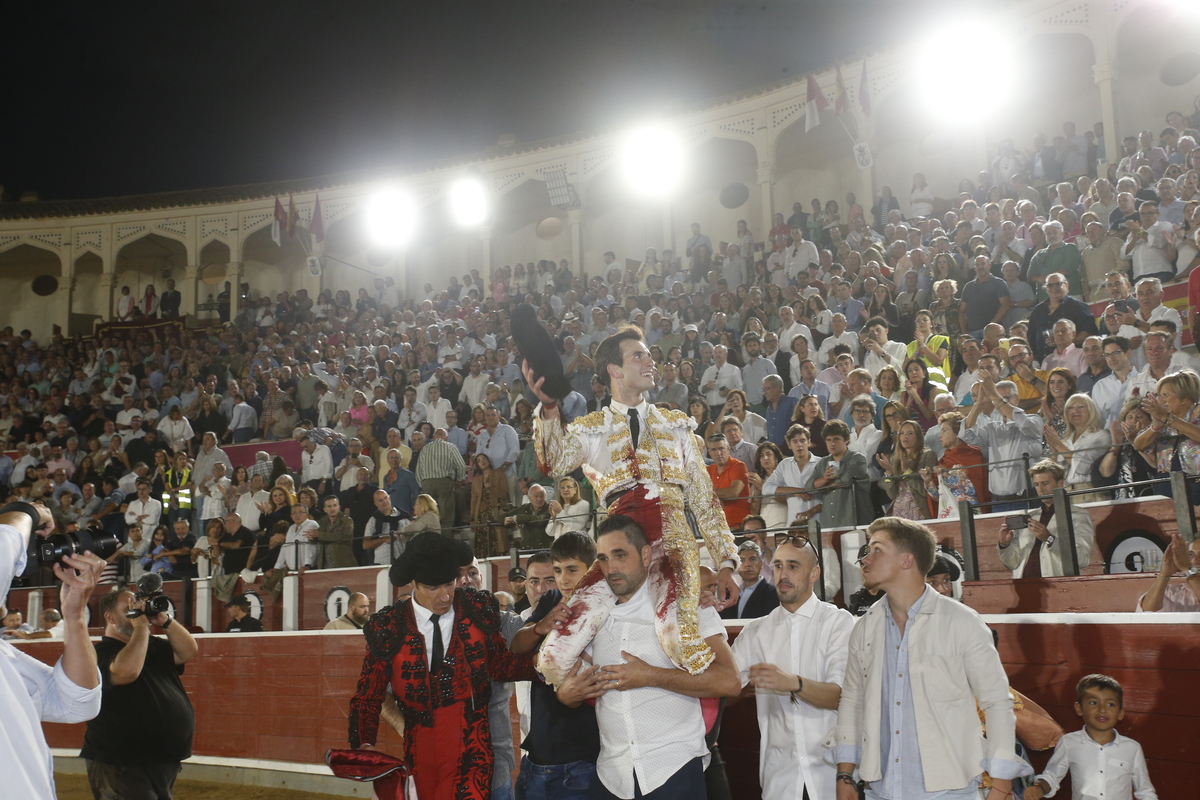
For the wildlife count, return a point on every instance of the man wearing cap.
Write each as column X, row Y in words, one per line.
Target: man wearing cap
column 517, row 588
column 642, row 461
column 439, row 652
column 240, row 618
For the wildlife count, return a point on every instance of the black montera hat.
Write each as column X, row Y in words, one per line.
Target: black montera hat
column 429, row 558
column 539, row 351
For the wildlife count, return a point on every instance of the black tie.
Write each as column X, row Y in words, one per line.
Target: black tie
column 635, row 426
column 435, row 663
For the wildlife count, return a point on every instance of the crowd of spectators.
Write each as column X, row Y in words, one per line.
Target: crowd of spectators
column 894, row 358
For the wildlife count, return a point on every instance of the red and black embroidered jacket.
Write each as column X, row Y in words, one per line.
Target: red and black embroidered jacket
column 475, row 656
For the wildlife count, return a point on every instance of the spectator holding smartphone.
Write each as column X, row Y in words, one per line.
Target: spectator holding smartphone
column 1029, row 551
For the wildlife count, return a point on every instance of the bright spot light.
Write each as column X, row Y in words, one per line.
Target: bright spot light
column 652, row 160
column 468, row 202
column 955, row 94
column 391, row 217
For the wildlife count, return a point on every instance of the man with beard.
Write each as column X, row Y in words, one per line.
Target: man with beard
column 142, row 692
column 887, row 726
column 795, row 657
column 665, row 759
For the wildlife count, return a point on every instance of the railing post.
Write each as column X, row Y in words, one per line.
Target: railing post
column 1065, row 541
column 814, row 538
column 1184, row 517
column 966, row 525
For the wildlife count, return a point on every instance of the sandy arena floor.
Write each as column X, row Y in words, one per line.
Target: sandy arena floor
column 74, row 787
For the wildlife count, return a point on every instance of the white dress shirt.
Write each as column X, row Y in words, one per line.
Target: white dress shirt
column 1007, row 441
column 437, row 412
column 812, row 642
column 727, row 376
column 1099, row 771
column 31, row 692
column 316, row 465
column 896, row 353
column 1110, row 393
column 1088, row 449
column 425, row 626
column 248, row 510
column 847, row 337
column 151, row 508
column 298, row 551
column 1148, row 254
column 790, row 476
column 648, row 732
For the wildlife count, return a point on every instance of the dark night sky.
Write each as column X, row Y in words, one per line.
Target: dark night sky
column 129, row 97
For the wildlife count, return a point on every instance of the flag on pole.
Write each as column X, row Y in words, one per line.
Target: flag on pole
column 279, row 223
column 813, row 107
column 864, row 93
column 317, row 227
column 841, row 101
column 292, row 216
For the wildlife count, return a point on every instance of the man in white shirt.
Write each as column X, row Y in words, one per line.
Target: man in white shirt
column 437, row 407
column 247, row 504
column 916, row 733
column 799, row 255
column 789, row 328
column 356, row 459
column 474, row 384
column 839, row 335
column 144, row 510
column 719, row 379
column 299, row 550
column 30, row 691
column 316, row 465
column 1111, row 391
column 1150, row 245
column 795, row 657
column 970, row 351
column 648, row 712
column 787, row 482
column 879, row 351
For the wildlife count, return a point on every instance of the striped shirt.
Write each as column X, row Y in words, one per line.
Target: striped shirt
column 440, row 459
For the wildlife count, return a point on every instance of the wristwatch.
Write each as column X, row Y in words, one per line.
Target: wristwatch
column 166, row 624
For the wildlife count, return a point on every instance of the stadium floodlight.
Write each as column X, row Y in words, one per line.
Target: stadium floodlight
column 391, row 217
column 652, row 160
column 950, row 91
column 468, row 202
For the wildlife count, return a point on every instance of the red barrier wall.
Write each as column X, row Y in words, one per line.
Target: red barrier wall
column 285, row 696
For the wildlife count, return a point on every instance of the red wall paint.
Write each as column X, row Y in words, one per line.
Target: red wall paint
column 286, row 697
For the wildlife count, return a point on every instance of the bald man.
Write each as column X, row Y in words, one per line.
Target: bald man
column 357, row 613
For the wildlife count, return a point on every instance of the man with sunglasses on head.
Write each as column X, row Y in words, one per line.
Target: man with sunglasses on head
column 795, row 658
column 1058, row 305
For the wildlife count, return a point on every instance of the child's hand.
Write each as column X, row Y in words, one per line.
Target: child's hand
column 1034, row 793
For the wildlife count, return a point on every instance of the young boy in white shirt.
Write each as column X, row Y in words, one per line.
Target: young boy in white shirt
column 1103, row 763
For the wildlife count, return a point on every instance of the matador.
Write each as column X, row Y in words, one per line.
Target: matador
column 643, row 462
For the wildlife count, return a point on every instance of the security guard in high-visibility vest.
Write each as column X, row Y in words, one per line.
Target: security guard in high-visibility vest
column 177, row 489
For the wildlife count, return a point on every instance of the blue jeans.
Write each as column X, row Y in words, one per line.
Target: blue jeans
column 559, row 782
column 686, row 784
column 504, row 792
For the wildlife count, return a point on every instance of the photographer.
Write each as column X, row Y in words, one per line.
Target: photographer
column 31, row 691
column 144, row 729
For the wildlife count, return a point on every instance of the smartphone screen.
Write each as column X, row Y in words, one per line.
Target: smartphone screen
column 1017, row 522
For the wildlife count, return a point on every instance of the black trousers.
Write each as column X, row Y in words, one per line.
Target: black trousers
column 151, row 782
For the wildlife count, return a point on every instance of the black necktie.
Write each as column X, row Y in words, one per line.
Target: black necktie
column 635, row 426
column 435, row 663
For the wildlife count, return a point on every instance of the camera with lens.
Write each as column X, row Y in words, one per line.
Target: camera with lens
column 150, row 590
column 92, row 539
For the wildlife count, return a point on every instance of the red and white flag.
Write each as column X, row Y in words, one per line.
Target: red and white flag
column 816, row 103
column 864, row 92
column 278, row 223
column 317, row 226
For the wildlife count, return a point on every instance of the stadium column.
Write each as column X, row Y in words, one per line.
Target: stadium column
column 233, row 274
column 189, row 292
column 575, row 219
column 766, row 183
column 1105, row 73
column 485, row 239
column 62, row 302
column 108, row 282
